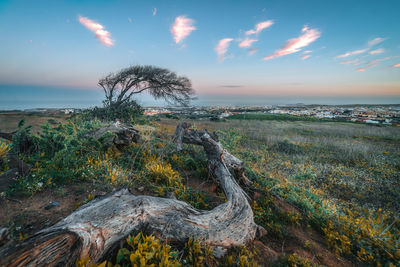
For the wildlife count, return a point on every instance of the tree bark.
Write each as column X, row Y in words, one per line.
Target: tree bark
column 97, row 227
column 124, row 134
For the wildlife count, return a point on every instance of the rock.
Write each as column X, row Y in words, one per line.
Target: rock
column 52, row 204
column 8, row 178
column 124, row 134
column 141, row 189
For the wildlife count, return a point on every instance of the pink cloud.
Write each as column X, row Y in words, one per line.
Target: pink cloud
column 154, row 11
column 296, row 44
column 352, row 53
column 182, row 27
column 252, row 51
column 247, row 42
column 260, row 26
column 378, row 60
column 396, row 66
column 354, row 62
column 376, row 41
column 305, row 57
column 307, row 52
column 222, row 48
column 377, row 51
column 98, row 29
column 373, row 63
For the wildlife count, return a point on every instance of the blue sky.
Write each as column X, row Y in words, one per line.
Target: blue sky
column 46, row 47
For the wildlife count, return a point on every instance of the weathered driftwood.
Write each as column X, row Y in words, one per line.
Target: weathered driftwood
column 98, row 227
column 123, row 134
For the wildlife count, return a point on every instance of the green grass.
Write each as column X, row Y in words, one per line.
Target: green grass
column 273, row 117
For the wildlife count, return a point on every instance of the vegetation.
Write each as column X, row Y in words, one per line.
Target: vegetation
column 273, row 117
column 335, row 180
column 160, row 83
column 127, row 112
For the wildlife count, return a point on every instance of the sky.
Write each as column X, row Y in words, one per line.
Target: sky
column 52, row 53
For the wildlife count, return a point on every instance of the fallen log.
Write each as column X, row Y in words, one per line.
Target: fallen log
column 124, row 134
column 98, row 227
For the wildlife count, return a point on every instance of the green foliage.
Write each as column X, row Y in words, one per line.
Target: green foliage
column 127, row 112
column 23, row 140
column 66, row 153
column 146, row 251
column 295, row 260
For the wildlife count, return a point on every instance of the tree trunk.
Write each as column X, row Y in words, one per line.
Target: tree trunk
column 98, row 227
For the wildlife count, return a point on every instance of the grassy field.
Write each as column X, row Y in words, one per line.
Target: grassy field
column 9, row 121
column 345, row 178
column 273, row 117
column 328, row 192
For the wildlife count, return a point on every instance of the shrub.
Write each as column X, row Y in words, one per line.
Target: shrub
column 126, row 112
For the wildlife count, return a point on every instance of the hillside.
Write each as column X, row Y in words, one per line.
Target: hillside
column 325, row 192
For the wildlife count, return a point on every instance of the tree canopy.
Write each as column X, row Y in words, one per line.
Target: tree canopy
column 159, row 82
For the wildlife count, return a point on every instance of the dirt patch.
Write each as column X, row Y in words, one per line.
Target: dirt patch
column 9, row 121
column 28, row 214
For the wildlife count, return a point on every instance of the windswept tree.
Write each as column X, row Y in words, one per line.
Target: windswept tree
column 161, row 83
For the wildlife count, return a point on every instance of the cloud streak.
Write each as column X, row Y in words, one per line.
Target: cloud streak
column 396, row 66
column 154, row 11
column 296, row 44
column 98, row 29
column 352, row 53
column 231, row 86
column 372, row 63
column 376, row 41
column 182, row 28
column 252, row 51
column 222, row 48
column 377, row 51
column 354, row 62
column 305, row 57
column 260, row 26
column 247, row 42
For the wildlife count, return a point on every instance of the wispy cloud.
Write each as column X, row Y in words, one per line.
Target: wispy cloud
column 222, row 48
column 354, row 62
column 130, row 20
column 396, row 66
column 376, row 41
column 260, row 26
column 377, row 51
column 307, row 52
column 305, row 57
column 352, row 53
column 182, row 27
column 98, row 29
column 372, row 63
column 252, row 51
column 361, row 51
column 247, row 42
column 296, row 44
column 231, row 86
column 154, row 11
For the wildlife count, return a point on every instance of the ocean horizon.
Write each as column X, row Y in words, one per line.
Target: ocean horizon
column 30, row 97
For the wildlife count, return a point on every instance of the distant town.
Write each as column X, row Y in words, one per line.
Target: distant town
column 372, row 114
